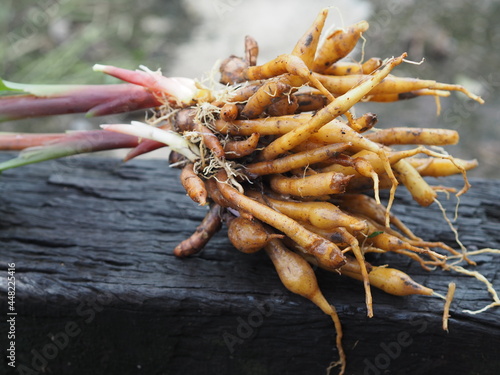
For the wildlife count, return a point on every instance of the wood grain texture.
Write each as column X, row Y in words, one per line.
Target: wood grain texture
column 99, row 291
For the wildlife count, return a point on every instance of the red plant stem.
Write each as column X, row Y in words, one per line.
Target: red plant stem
column 95, row 100
column 97, row 140
column 144, row 147
column 16, row 142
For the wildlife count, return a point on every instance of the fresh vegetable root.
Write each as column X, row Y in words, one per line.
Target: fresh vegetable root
column 286, row 64
column 263, row 98
column 338, row 45
column 297, row 160
column 310, row 186
column 342, row 68
column 314, row 244
column 281, row 156
column 391, row 281
column 197, row 241
column 249, row 236
column 339, row 85
column 238, row 149
column 298, row 277
column 407, row 136
column 337, row 107
column 194, row 185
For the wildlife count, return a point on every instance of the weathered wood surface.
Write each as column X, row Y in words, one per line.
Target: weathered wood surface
column 92, row 241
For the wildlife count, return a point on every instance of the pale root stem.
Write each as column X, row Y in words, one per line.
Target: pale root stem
column 447, row 304
column 172, row 139
column 438, row 104
column 342, row 357
column 363, row 45
column 434, row 244
column 451, row 87
column 456, row 208
column 457, row 164
column 464, row 257
column 353, row 242
column 409, row 254
column 376, row 191
column 439, row 295
column 478, row 252
column 480, row 277
column 493, row 304
column 455, row 232
column 414, row 62
column 392, row 195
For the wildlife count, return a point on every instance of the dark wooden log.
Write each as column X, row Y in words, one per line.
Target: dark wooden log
column 98, row 290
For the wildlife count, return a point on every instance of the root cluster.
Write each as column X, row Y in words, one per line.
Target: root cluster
column 278, row 154
column 291, row 169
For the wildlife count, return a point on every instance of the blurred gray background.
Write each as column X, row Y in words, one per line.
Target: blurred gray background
column 58, row 41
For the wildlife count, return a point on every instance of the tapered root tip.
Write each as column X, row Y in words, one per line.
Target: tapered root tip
column 362, row 26
column 472, row 96
column 400, row 58
column 475, row 97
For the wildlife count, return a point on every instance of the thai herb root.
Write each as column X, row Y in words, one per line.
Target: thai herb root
column 277, row 153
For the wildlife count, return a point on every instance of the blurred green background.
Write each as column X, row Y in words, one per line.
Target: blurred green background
column 58, row 41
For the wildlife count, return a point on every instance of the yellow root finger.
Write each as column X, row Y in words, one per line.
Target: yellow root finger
column 307, row 45
column 323, row 215
column 394, row 97
column 238, row 149
column 339, row 85
column 341, row 68
column 315, row 185
column 420, row 190
column 336, row 108
column 264, row 96
column 298, row 277
column 392, row 281
column 440, row 167
column 297, row 160
column 314, row 244
column 266, row 126
column 368, row 207
column 194, row 185
column 286, row 64
column 420, row 136
column 337, row 45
